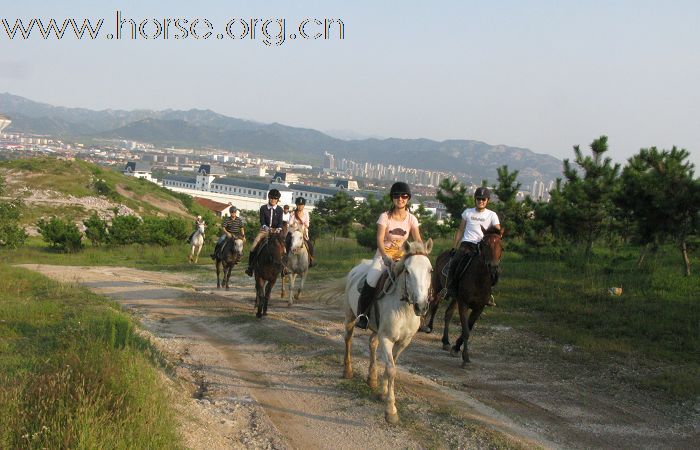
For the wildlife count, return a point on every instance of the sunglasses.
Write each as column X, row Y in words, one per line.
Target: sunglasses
column 403, row 196
column 481, row 199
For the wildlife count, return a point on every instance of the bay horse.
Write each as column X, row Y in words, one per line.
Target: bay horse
column 297, row 263
column 230, row 255
column 267, row 268
column 399, row 316
column 197, row 242
column 473, row 293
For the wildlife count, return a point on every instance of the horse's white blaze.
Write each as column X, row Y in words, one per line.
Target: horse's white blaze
column 398, row 319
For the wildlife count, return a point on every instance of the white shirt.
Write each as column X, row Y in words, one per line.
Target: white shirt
column 474, row 221
column 285, row 217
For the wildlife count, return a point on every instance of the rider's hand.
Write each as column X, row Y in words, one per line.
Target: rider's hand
column 387, row 260
column 265, row 227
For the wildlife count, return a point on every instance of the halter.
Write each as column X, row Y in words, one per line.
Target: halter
column 480, row 250
column 394, row 277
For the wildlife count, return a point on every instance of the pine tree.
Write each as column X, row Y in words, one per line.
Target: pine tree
column 659, row 195
column 454, row 196
column 587, row 197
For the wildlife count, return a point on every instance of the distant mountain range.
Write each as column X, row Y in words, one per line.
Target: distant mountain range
column 204, row 128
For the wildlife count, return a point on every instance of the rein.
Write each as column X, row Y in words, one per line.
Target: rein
column 393, row 277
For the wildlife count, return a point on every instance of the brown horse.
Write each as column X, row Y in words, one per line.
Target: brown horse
column 267, row 267
column 229, row 256
column 474, row 290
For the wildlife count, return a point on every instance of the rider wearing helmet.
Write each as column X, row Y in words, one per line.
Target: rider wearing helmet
column 232, row 226
column 299, row 218
column 271, row 219
column 197, row 222
column 393, row 229
column 469, row 234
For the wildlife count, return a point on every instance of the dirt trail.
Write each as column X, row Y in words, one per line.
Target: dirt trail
column 276, row 383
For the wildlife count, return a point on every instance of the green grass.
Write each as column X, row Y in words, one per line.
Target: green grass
column 73, row 372
column 147, row 257
column 77, row 178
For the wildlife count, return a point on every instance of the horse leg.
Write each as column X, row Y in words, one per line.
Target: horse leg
column 259, row 291
column 301, row 285
column 372, row 374
column 448, row 318
column 268, row 290
column 390, row 413
column 191, row 254
column 218, row 283
column 349, row 328
column 196, row 257
column 283, row 276
column 227, row 274
column 465, row 336
column 292, row 280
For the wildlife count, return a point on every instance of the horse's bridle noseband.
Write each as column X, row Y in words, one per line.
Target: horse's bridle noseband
column 405, row 297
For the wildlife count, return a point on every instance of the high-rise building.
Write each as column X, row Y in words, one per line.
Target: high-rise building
column 4, row 122
column 328, row 161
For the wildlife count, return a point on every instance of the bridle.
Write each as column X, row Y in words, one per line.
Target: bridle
column 393, row 277
column 480, row 251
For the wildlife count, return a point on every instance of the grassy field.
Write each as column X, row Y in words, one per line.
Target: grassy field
column 77, row 178
column 73, row 373
column 53, row 334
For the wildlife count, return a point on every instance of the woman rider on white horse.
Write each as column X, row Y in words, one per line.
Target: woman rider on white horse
column 393, row 229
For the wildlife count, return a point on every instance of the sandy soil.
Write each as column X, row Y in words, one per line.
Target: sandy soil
column 276, row 382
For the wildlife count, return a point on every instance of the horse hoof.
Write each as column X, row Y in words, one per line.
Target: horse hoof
column 258, row 315
column 347, row 374
column 425, row 329
column 290, row 304
column 296, row 297
column 392, row 419
column 446, row 347
column 454, row 353
column 465, row 364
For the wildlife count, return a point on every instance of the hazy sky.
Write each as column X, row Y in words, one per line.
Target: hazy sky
column 538, row 74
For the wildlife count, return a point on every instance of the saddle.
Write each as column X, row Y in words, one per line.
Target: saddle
column 384, row 285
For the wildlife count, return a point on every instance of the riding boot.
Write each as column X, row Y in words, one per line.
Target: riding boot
column 363, row 304
column 189, row 239
column 251, row 260
column 217, row 247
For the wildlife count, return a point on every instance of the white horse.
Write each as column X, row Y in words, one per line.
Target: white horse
column 400, row 310
column 197, row 242
column 297, row 263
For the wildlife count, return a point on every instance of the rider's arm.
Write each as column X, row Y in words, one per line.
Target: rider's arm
column 459, row 234
column 381, row 230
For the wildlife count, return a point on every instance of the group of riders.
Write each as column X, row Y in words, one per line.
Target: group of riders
column 394, row 227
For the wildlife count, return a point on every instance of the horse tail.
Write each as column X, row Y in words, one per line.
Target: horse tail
column 333, row 291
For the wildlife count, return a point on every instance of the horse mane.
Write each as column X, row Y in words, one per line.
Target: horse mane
column 493, row 230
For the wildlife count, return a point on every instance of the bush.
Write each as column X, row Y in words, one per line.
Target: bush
column 61, row 234
column 163, row 231
column 125, row 230
column 95, row 229
column 367, row 237
column 11, row 234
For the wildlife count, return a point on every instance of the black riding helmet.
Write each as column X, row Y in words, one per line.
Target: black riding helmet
column 274, row 193
column 482, row 192
column 300, row 201
column 399, row 188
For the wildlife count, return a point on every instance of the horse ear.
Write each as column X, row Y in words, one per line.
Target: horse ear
column 502, row 231
column 483, row 230
column 429, row 245
column 406, row 246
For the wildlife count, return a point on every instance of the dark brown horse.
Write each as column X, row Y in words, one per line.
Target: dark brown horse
column 229, row 256
column 267, row 267
column 474, row 290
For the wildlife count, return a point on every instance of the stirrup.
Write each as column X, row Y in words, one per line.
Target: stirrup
column 362, row 321
column 443, row 293
column 249, row 271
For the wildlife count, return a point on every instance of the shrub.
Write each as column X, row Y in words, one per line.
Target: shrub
column 11, row 234
column 95, row 229
column 163, row 231
column 125, row 230
column 61, row 234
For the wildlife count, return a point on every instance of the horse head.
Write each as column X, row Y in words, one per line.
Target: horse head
column 233, row 250
column 297, row 240
column 276, row 248
column 491, row 249
column 418, row 273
